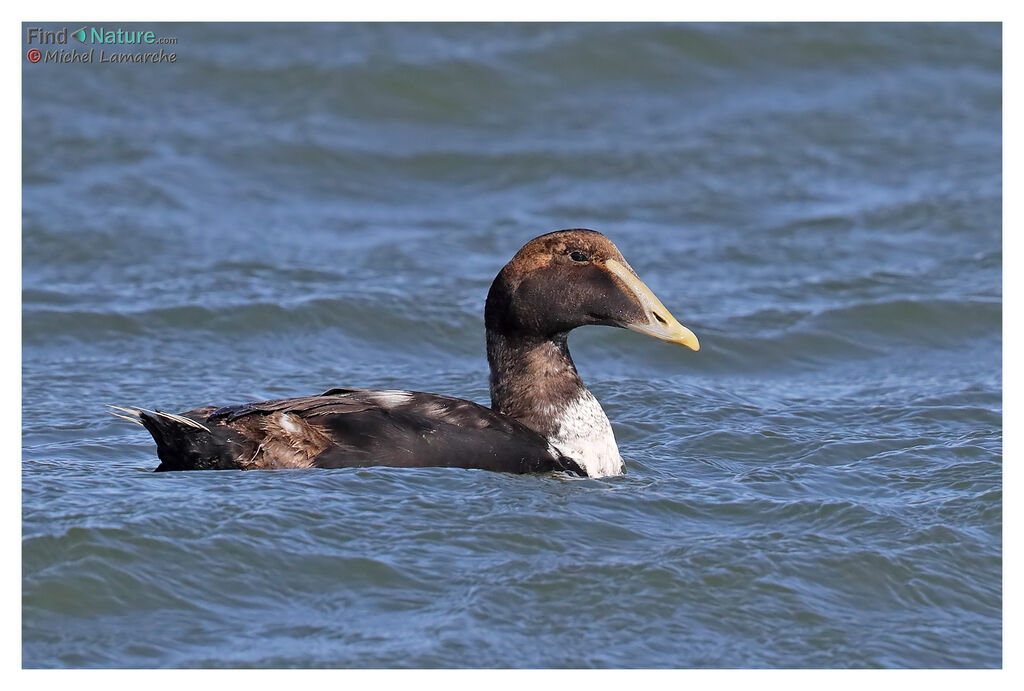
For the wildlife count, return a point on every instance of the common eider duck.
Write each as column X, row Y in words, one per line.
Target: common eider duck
column 542, row 418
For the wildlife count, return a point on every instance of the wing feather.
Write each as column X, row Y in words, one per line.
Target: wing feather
column 398, row 428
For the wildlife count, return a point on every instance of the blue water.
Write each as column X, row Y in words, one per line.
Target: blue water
column 290, row 208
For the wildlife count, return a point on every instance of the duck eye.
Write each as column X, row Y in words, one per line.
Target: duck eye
column 578, row 256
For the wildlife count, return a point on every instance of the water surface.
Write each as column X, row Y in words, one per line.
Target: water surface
column 287, row 209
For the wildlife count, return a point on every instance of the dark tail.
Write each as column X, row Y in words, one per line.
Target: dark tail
column 181, row 442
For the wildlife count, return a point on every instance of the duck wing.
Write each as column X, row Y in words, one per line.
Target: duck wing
column 348, row 428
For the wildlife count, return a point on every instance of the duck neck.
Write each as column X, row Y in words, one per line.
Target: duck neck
column 534, row 381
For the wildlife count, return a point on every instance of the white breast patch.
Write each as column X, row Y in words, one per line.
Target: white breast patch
column 585, row 435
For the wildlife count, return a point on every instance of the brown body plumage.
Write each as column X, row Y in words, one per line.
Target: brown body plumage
column 542, row 417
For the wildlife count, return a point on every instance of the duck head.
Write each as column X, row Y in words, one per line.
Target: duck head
column 570, row 278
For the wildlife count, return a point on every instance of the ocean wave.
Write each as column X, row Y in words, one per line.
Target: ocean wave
column 379, row 320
